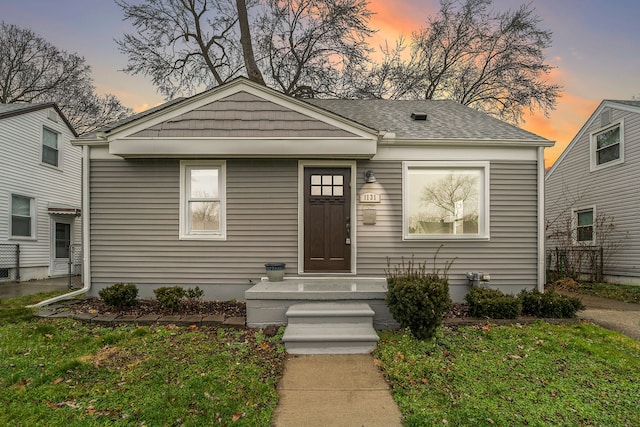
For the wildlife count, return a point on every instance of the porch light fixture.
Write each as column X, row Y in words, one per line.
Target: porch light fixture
column 369, row 177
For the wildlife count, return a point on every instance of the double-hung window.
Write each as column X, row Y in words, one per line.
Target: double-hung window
column 607, row 146
column 50, row 149
column 446, row 200
column 202, row 200
column 22, row 216
column 584, row 221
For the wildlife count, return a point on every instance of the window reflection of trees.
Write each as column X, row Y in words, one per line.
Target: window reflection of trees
column 449, row 205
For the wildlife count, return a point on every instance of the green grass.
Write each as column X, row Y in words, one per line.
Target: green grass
column 623, row 293
column 64, row 372
column 15, row 309
column 537, row 375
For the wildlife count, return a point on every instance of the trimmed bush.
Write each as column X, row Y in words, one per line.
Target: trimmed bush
column 120, row 295
column 418, row 300
column 169, row 297
column 193, row 294
column 493, row 304
column 549, row 304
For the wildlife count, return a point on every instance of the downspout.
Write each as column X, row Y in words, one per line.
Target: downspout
column 86, row 215
column 541, row 231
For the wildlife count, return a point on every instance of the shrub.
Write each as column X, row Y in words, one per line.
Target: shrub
column 492, row 303
column 193, row 294
column 417, row 299
column 120, row 295
column 549, row 304
column 169, row 297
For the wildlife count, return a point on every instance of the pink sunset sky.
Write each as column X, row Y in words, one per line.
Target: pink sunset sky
column 596, row 49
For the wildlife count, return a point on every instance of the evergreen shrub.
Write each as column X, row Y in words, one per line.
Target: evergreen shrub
column 119, row 295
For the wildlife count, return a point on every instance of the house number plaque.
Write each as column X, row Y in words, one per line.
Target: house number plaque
column 369, row 198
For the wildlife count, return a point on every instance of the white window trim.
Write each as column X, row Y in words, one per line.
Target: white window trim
column 574, row 226
column 34, row 223
column 484, row 200
column 60, row 146
column 593, row 146
column 186, row 165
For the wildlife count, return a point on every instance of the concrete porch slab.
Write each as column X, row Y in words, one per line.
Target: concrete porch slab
column 267, row 302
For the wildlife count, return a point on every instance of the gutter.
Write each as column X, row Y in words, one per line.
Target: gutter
column 86, row 267
column 541, row 222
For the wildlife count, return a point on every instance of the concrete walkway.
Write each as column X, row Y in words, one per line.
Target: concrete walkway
column 13, row 290
column 611, row 314
column 334, row 390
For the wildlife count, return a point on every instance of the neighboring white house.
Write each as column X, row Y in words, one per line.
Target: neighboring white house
column 594, row 184
column 40, row 191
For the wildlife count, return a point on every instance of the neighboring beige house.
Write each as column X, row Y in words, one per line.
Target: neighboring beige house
column 594, row 183
column 204, row 191
column 40, row 191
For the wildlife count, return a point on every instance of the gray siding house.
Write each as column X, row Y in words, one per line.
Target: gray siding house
column 593, row 184
column 40, row 191
column 205, row 191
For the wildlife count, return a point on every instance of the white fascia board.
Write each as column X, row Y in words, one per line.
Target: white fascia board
column 446, row 152
column 232, row 88
column 244, row 147
column 448, row 142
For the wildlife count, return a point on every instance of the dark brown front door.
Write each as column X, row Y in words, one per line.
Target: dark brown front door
column 327, row 234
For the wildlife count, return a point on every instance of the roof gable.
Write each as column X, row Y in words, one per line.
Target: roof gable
column 629, row 106
column 16, row 109
column 244, row 114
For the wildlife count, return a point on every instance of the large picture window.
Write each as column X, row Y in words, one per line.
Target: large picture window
column 50, row 151
column 446, row 200
column 21, row 216
column 607, row 146
column 202, row 200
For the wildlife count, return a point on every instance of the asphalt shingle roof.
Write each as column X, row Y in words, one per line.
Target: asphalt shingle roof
column 7, row 110
column 446, row 119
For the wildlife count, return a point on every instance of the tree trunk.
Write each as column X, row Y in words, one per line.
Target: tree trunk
column 253, row 72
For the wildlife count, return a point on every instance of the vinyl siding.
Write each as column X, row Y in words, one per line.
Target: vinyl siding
column 612, row 190
column 134, row 225
column 510, row 254
column 24, row 174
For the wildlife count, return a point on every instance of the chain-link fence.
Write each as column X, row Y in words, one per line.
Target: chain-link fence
column 75, row 266
column 9, row 263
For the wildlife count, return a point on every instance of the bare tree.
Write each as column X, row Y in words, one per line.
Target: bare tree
column 33, row 70
column 307, row 46
column 301, row 46
column 491, row 61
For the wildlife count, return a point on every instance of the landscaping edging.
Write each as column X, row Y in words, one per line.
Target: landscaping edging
column 58, row 311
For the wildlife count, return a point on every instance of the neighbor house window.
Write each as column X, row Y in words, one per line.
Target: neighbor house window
column 444, row 200
column 50, row 151
column 607, row 146
column 584, row 225
column 202, row 200
column 21, row 216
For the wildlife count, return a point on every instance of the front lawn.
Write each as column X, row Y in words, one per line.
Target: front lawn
column 539, row 375
column 64, row 372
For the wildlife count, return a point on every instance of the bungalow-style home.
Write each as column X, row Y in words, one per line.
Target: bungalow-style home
column 40, row 192
column 205, row 191
column 592, row 195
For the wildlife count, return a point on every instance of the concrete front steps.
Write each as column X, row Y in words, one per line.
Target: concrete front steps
column 330, row 328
